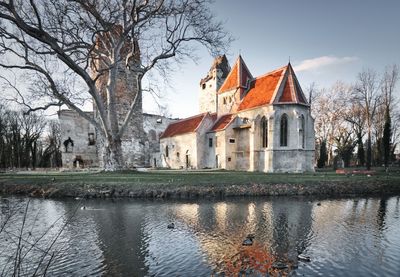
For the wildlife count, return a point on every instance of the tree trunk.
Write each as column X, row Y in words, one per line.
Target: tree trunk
column 369, row 151
column 112, row 156
column 360, row 151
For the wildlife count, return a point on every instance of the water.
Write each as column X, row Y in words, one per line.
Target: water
column 343, row 237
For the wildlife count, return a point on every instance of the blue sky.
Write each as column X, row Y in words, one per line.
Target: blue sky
column 326, row 41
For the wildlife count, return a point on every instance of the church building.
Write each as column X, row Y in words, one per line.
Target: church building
column 245, row 123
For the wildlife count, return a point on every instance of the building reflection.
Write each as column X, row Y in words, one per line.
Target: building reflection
column 280, row 228
column 121, row 237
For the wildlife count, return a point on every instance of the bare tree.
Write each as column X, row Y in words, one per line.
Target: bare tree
column 367, row 93
column 355, row 116
column 52, row 155
column 19, row 136
column 59, row 41
column 330, row 107
column 390, row 107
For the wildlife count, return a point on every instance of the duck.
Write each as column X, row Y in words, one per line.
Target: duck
column 247, row 242
column 171, row 226
column 303, row 257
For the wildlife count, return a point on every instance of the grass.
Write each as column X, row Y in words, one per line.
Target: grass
column 189, row 177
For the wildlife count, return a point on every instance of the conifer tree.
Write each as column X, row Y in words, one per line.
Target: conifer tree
column 387, row 132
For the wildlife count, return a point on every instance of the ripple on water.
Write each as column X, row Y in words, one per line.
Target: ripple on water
column 345, row 237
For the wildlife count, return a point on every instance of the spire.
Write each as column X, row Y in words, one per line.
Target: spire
column 292, row 92
column 237, row 77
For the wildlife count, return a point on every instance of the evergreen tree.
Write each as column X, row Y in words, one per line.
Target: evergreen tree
column 360, row 150
column 387, row 132
column 369, row 153
column 323, row 155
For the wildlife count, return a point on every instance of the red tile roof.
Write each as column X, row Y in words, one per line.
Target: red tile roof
column 262, row 90
column 292, row 92
column 222, row 122
column 184, row 126
column 287, row 92
column 237, row 78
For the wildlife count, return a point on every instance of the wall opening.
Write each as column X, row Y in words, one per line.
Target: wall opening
column 264, row 132
column 284, row 130
column 91, row 139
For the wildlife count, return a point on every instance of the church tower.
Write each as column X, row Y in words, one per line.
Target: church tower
column 134, row 141
column 210, row 85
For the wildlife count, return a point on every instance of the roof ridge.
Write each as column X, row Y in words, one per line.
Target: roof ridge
column 221, row 118
column 202, row 120
column 239, row 66
column 270, row 72
column 190, row 117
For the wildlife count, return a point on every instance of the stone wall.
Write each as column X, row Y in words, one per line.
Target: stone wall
column 229, row 101
column 182, row 151
column 240, row 147
column 153, row 126
column 82, row 134
column 134, row 141
column 210, row 85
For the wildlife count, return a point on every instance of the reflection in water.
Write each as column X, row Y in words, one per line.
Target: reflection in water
column 352, row 237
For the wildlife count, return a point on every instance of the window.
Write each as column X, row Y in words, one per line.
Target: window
column 177, row 155
column 91, row 138
column 284, row 130
column 229, row 159
column 264, row 132
column 203, row 86
column 69, row 145
column 166, row 151
column 231, row 140
column 224, row 101
column 210, row 142
column 302, row 131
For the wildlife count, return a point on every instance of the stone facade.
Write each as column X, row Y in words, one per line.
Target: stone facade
column 140, row 141
column 258, row 124
column 86, row 149
column 154, row 126
column 211, row 84
column 79, row 147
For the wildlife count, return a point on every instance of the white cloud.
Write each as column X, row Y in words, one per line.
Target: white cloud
column 324, row 61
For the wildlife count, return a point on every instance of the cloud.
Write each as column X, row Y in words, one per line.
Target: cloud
column 324, row 61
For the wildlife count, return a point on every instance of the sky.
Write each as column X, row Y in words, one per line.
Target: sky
column 327, row 41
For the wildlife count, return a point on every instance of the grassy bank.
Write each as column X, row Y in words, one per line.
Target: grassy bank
column 178, row 178
column 164, row 183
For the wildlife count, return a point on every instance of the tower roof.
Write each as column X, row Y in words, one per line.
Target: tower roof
column 277, row 87
column 221, row 63
column 237, row 77
column 292, row 92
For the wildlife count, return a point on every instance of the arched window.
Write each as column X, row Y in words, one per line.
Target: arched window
column 284, row 130
column 302, row 131
column 166, row 151
column 264, row 132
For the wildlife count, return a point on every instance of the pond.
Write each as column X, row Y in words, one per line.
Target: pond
column 342, row 237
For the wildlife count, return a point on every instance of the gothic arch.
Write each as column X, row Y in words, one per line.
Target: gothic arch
column 284, row 130
column 302, row 131
column 264, row 132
